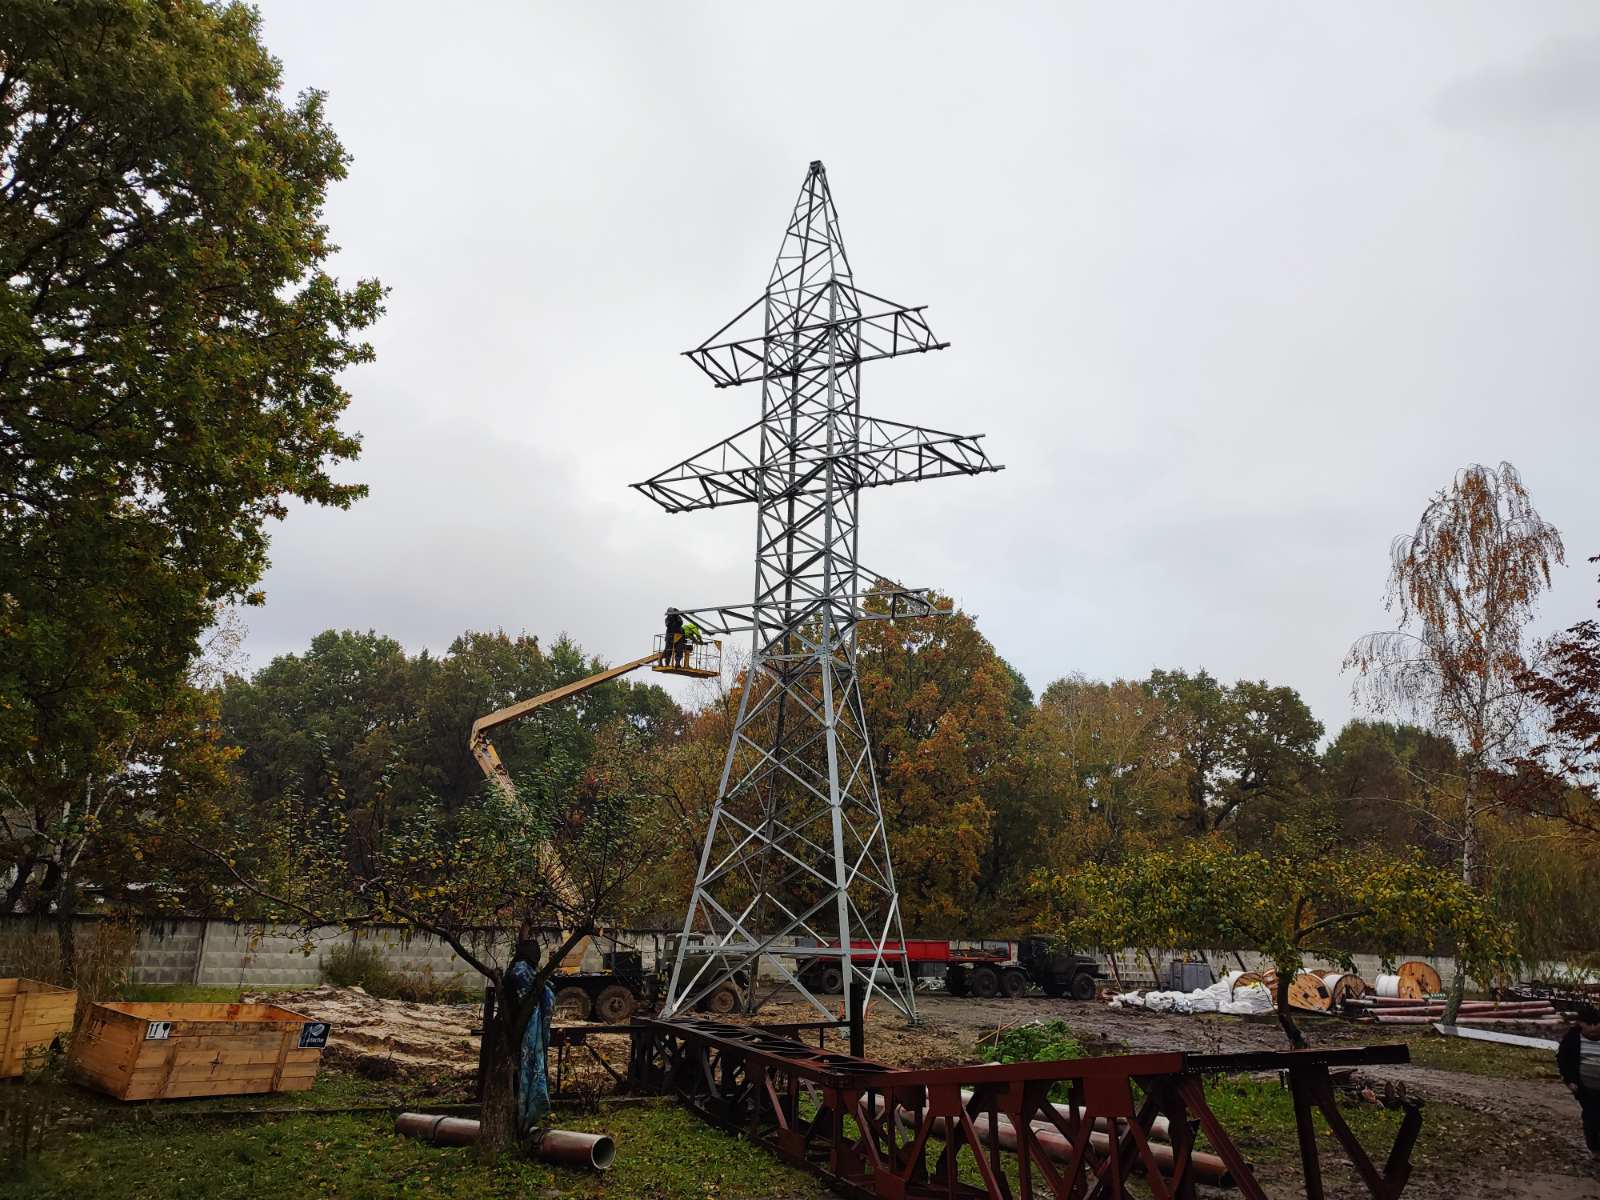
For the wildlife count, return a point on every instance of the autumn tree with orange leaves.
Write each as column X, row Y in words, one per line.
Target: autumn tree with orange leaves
column 943, row 709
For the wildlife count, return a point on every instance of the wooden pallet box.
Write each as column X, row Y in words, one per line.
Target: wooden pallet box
column 165, row 1051
column 32, row 1016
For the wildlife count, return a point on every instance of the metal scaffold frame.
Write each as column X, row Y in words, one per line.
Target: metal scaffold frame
column 796, row 850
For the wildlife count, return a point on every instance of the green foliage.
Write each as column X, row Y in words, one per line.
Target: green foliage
column 1249, row 744
column 1312, row 897
column 170, row 346
column 182, row 993
column 1387, row 781
column 366, row 966
column 1037, row 1041
column 357, row 964
column 1104, row 765
column 1430, row 1049
column 384, row 720
column 1259, row 1116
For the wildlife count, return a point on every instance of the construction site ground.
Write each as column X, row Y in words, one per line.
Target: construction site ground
column 1498, row 1121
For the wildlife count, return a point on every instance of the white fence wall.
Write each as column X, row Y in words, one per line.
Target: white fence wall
column 227, row 954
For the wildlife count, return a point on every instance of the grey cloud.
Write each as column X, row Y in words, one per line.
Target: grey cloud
column 1225, row 340
column 1558, row 82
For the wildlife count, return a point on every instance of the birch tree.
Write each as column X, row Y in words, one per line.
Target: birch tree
column 1464, row 585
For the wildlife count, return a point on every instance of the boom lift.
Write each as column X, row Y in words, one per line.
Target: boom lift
column 610, row 995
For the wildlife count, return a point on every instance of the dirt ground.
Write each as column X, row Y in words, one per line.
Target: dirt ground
column 383, row 1039
column 1536, row 1149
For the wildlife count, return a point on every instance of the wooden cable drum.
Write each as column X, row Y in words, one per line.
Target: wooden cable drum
column 1342, row 987
column 1245, row 979
column 1307, row 991
column 1418, row 980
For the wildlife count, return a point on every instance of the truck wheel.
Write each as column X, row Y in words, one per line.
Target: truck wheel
column 614, row 1005
column 572, row 1004
column 723, row 1001
column 955, row 981
column 1013, row 983
column 832, row 979
column 985, row 982
column 1083, row 986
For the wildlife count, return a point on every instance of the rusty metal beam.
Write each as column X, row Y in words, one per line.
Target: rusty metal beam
column 871, row 1130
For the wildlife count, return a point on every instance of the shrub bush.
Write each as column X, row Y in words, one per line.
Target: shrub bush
column 357, row 964
column 364, row 965
column 102, row 957
column 1039, row 1041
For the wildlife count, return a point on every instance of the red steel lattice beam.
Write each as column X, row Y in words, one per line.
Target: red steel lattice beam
column 875, row 1131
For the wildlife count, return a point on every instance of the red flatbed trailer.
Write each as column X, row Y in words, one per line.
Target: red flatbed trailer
column 967, row 970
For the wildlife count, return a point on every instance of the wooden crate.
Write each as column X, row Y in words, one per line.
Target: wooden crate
column 164, row 1051
column 32, row 1016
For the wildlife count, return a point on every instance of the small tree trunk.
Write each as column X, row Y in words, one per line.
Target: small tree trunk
column 1472, row 876
column 1471, row 847
column 1452, row 998
column 1296, row 1039
column 498, row 1118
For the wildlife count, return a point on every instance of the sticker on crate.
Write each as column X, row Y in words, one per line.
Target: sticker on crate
column 158, row 1031
column 313, row 1035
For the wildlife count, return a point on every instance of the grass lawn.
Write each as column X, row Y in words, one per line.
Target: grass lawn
column 1430, row 1049
column 160, row 1150
column 180, row 993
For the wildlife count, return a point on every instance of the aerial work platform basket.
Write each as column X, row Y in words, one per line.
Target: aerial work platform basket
column 704, row 660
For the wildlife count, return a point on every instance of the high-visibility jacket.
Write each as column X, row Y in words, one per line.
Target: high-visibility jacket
column 691, row 631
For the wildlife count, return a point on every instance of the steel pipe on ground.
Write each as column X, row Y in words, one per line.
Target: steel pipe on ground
column 1159, row 1126
column 1503, row 1010
column 1433, row 1017
column 441, row 1131
column 594, row 1151
column 1392, row 1002
column 1207, row 1168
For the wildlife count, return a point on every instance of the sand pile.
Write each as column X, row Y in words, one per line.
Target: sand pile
column 388, row 1038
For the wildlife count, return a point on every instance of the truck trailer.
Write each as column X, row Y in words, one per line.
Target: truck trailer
column 969, row 971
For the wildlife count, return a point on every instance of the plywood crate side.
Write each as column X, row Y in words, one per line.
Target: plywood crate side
column 32, row 1015
column 202, row 1050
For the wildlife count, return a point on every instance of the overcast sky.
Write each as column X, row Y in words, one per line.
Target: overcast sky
column 1232, row 288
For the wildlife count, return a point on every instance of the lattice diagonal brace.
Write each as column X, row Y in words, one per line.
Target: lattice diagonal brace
column 796, row 859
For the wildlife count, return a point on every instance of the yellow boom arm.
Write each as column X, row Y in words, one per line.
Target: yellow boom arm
column 484, row 752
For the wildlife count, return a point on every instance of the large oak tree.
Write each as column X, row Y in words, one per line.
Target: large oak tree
column 170, row 351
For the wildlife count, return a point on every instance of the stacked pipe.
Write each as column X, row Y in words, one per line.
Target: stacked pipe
column 1395, row 1010
column 1206, row 1168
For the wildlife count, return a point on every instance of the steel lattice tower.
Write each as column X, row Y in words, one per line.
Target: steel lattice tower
column 796, row 847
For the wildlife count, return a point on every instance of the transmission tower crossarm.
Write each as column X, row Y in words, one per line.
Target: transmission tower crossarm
column 898, row 604
column 851, row 339
column 884, row 453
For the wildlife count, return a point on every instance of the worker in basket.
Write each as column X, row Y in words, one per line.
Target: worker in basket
column 691, row 638
column 669, row 648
